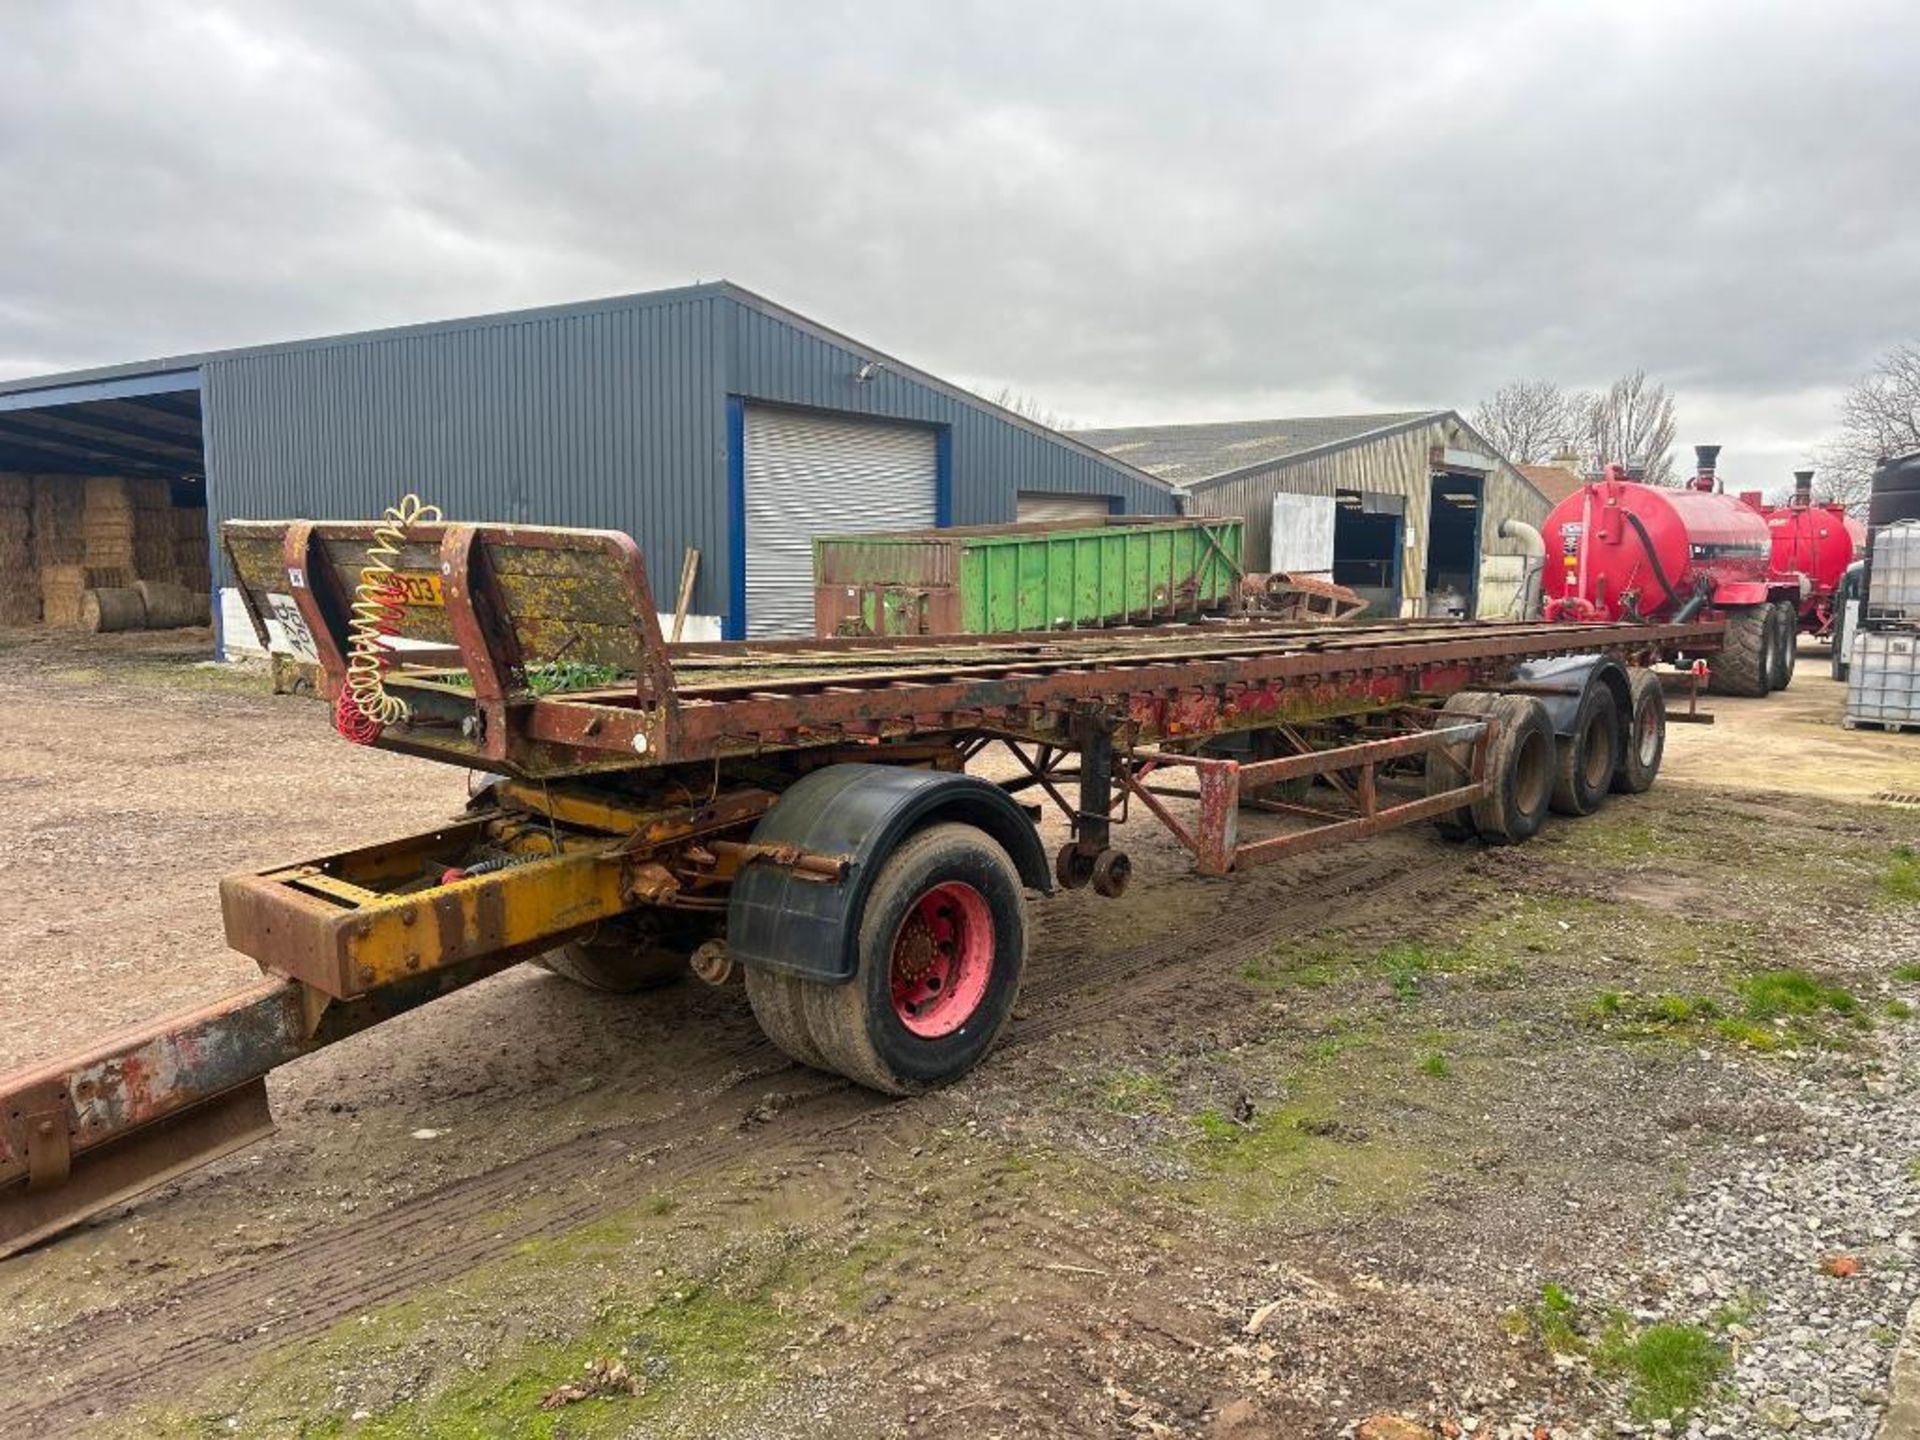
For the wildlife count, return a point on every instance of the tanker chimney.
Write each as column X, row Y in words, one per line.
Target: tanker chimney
column 1706, row 458
column 1803, row 487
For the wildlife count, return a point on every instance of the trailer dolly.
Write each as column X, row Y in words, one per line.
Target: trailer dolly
column 800, row 813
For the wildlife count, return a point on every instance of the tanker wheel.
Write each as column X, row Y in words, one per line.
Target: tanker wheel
column 1646, row 738
column 1588, row 756
column 624, row 955
column 1521, row 767
column 941, row 948
column 1741, row 667
column 1786, row 651
column 1447, row 766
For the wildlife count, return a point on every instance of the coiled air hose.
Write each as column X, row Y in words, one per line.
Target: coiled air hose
column 365, row 707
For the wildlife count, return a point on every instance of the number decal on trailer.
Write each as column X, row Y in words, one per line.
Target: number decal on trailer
column 420, row 587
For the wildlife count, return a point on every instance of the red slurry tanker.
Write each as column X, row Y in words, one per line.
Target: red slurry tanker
column 1622, row 550
column 1813, row 541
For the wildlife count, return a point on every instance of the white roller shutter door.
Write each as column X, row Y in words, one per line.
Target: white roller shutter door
column 1302, row 534
column 808, row 475
column 1035, row 507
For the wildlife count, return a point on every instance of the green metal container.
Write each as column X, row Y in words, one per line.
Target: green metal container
column 1000, row 579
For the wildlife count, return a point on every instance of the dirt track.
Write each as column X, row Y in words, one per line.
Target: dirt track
column 1061, row 1243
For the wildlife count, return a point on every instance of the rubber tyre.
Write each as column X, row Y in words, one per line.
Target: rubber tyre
column 1786, row 652
column 1644, row 745
column 1521, row 766
column 1742, row 664
column 855, row 1024
column 1586, row 759
column 779, row 1005
column 617, row 957
column 1447, row 767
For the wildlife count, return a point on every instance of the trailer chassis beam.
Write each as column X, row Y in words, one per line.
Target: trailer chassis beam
column 86, row 1133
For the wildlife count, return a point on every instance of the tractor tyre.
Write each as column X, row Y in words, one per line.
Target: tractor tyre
column 1521, row 767
column 1586, row 759
column 1741, row 668
column 941, row 949
column 622, row 956
column 1447, row 767
column 1786, row 653
column 1645, row 742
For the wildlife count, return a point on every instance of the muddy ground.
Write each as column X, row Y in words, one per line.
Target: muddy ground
column 1270, row 1156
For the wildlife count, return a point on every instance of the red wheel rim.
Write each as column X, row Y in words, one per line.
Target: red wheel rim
column 942, row 960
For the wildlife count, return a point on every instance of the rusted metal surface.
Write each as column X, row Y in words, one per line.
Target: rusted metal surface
column 1222, row 785
column 584, row 595
column 151, row 1103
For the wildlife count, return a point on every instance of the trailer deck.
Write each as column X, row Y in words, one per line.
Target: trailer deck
column 794, row 814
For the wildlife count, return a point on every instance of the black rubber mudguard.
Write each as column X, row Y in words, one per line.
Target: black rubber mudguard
column 778, row 919
column 1563, row 681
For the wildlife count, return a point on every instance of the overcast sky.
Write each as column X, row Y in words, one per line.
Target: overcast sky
column 1129, row 213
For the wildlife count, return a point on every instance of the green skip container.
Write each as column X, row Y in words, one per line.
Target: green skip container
column 1003, row 579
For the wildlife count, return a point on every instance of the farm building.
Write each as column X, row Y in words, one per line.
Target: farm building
column 705, row 418
column 1405, row 508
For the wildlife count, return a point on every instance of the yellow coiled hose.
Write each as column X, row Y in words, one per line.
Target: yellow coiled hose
column 365, row 705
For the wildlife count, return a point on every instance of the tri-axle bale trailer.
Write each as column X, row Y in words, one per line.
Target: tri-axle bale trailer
column 798, row 815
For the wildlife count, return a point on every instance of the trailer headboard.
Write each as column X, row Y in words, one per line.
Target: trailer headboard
column 496, row 615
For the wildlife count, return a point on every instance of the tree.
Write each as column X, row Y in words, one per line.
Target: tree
column 1879, row 418
column 1026, row 407
column 1533, row 421
column 1632, row 424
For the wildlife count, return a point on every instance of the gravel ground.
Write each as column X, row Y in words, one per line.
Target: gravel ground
column 1829, row 1184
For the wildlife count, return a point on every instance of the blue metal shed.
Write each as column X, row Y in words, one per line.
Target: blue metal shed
column 638, row 413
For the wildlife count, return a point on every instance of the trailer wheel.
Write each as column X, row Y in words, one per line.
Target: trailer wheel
column 779, row 1004
column 621, row 956
column 1786, row 646
column 1447, row 767
column 1588, row 757
column 1521, row 767
column 942, row 944
column 1742, row 666
column 1646, row 737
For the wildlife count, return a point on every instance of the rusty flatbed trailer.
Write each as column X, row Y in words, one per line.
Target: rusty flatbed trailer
column 795, row 814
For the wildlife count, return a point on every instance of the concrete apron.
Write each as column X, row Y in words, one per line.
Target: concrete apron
column 1902, row 1420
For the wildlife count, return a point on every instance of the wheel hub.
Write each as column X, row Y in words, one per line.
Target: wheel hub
column 941, row 961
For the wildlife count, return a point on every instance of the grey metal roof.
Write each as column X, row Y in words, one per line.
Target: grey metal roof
column 78, row 384
column 1188, row 454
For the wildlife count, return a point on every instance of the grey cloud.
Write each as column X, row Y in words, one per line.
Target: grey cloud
column 1132, row 212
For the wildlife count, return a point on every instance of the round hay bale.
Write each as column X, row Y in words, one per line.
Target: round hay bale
column 102, row 610
column 170, row 606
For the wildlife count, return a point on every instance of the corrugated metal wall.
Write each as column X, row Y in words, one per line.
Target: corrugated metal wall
column 994, row 458
column 1396, row 464
column 610, row 415
column 611, row 418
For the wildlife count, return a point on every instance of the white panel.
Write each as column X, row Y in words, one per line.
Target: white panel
column 1302, row 534
column 809, row 475
column 1036, row 508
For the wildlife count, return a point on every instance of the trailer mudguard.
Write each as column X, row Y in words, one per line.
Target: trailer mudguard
column 780, row 919
column 1561, row 682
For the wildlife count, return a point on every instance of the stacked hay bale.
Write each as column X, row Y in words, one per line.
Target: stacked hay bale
column 64, row 590
column 190, row 558
column 59, row 511
column 107, row 526
column 19, row 577
column 154, row 555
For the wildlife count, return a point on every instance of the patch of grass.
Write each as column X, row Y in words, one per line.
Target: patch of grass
column 1134, row 1092
column 1897, row 1010
column 1672, row 1370
column 1310, row 969
column 1749, row 1033
column 1614, row 836
column 1909, row 972
column 1436, row 1065
column 1790, row 994
column 1625, row 1013
column 1301, row 1153
column 1405, row 963
column 557, row 677
column 1900, row 879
